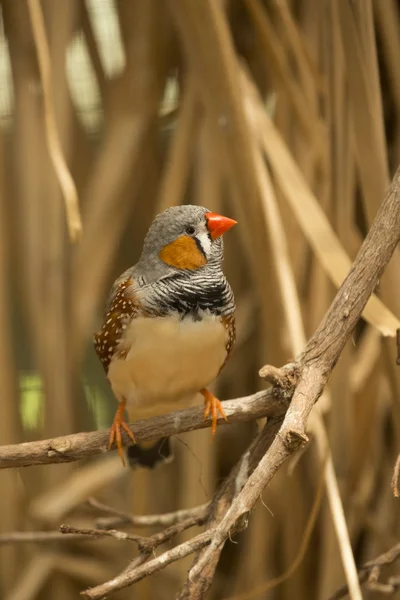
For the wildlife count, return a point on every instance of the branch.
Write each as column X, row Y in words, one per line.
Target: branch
column 146, row 545
column 196, row 588
column 135, row 573
column 314, row 368
column 83, row 445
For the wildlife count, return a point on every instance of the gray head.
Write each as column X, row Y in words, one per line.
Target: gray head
column 183, row 238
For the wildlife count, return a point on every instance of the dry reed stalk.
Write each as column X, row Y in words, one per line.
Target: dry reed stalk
column 89, row 570
column 287, row 576
column 59, row 414
column 388, row 26
column 36, row 574
column 28, row 173
column 245, row 573
column 29, row 148
column 59, row 411
column 366, row 122
column 351, row 146
column 55, row 504
column 106, row 206
column 205, row 38
column 310, row 217
column 309, row 75
column 365, row 360
column 359, row 42
column 53, row 140
column 369, row 133
column 10, row 425
column 368, row 411
column 297, row 336
column 180, row 156
column 384, row 228
column 198, row 452
column 93, row 50
column 209, row 170
column 278, row 61
column 341, row 417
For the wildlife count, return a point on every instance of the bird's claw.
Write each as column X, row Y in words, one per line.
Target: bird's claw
column 115, row 432
column 214, row 407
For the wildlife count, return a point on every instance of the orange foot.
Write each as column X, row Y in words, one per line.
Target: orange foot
column 115, row 431
column 213, row 405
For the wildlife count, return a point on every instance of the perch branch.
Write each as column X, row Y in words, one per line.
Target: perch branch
column 83, row 445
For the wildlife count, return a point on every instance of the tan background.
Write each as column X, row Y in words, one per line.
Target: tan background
column 149, row 110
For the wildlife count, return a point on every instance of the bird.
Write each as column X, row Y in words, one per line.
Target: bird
column 169, row 327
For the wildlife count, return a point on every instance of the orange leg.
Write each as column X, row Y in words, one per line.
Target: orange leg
column 213, row 406
column 115, row 431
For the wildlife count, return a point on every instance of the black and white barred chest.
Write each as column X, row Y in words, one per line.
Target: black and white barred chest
column 193, row 296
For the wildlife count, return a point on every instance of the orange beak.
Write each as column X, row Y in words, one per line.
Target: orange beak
column 218, row 225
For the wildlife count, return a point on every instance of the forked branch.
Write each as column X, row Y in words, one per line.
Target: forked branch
column 314, row 368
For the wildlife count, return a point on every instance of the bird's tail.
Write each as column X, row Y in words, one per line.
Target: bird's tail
column 150, row 454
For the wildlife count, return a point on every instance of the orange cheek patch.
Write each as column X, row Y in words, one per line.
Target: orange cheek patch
column 183, row 253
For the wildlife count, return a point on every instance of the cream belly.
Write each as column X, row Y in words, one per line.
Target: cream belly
column 170, row 360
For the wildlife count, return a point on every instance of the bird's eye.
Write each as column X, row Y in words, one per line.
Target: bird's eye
column 190, row 230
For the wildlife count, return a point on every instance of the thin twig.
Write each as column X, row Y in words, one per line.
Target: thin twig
column 178, row 522
column 38, row 537
column 164, row 536
column 68, row 530
column 164, row 520
column 146, row 545
column 82, row 445
column 130, row 576
column 64, row 176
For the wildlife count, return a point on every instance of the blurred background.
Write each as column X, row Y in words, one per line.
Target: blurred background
column 282, row 114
